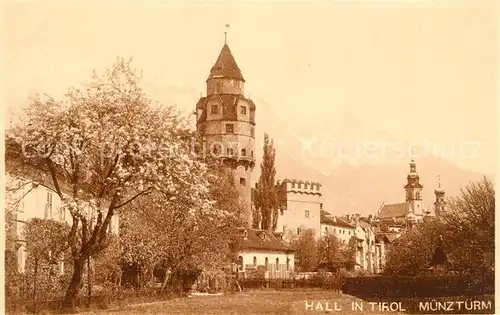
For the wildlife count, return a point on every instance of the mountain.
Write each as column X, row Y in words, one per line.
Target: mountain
column 355, row 180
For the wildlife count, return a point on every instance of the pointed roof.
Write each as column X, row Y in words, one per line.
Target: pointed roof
column 226, row 66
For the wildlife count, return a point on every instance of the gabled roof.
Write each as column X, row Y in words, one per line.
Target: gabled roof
column 393, row 210
column 255, row 241
column 225, row 66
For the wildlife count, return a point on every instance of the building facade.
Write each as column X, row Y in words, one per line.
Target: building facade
column 260, row 248
column 300, row 207
column 340, row 227
column 27, row 199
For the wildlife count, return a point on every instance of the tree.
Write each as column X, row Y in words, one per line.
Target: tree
column 183, row 237
column 103, row 147
column 411, row 254
column 266, row 199
column 46, row 247
column 469, row 242
column 330, row 254
column 465, row 234
column 349, row 253
column 306, row 254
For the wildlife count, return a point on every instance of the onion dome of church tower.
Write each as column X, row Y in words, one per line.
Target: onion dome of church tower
column 440, row 202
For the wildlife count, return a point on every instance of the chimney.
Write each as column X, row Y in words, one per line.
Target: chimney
column 321, row 206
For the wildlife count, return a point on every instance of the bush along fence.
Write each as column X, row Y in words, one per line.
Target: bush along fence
column 320, row 280
column 419, row 286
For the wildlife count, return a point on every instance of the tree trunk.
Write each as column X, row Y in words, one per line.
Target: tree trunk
column 35, row 289
column 69, row 303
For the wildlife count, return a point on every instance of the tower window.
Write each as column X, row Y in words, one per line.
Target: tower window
column 214, row 109
column 267, row 263
column 229, row 128
column 307, row 213
column 243, row 181
column 229, row 151
column 243, row 152
column 293, row 185
column 254, row 261
column 252, row 132
column 299, row 230
column 277, row 264
column 243, row 110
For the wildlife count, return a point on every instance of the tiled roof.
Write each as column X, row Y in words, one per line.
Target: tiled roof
column 325, row 213
column 226, row 66
column 388, row 237
column 335, row 221
column 393, row 210
column 255, row 241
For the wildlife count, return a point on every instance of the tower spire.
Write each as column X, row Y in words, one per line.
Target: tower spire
column 225, row 34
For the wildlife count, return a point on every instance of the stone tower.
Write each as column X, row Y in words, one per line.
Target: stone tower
column 440, row 202
column 413, row 189
column 226, row 122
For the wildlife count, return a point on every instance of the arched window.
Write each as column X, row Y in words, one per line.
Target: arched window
column 254, row 261
column 277, row 264
column 243, row 152
column 266, row 263
column 288, row 264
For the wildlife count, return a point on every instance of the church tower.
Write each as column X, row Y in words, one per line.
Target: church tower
column 413, row 189
column 226, row 123
column 440, row 202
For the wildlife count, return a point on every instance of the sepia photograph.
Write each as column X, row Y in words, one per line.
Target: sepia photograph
column 238, row 157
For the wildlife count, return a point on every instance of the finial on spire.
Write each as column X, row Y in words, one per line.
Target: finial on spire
column 412, row 156
column 225, row 34
column 439, row 181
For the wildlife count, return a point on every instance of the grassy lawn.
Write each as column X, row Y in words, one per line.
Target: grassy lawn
column 256, row 302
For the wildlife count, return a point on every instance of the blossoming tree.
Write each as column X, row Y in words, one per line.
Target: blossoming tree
column 103, row 147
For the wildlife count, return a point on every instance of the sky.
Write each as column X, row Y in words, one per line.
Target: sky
column 413, row 72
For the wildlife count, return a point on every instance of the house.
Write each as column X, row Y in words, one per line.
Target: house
column 338, row 226
column 29, row 194
column 261, row 248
